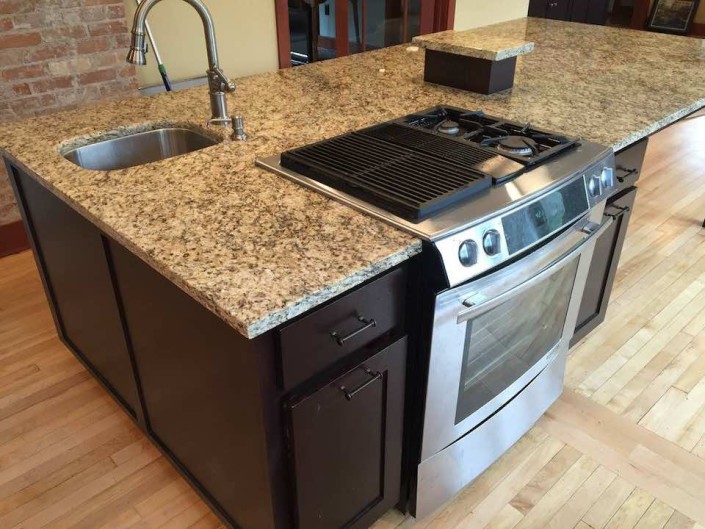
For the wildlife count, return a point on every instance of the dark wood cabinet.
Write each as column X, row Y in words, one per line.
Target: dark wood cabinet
column 222, row 407
column 329, row 334
column 603, row 267
column 202, row 390
column 71, row 256
column 345, row 443
column 608, row 248
column 559, row 9
column 587, row 11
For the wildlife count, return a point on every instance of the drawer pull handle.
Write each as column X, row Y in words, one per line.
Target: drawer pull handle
column 616, row 211
column 368, row 324
column 374, row 376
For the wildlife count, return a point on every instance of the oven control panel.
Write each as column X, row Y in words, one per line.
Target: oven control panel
column 488, row 244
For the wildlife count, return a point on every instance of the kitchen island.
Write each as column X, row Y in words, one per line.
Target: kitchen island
column 259, row 252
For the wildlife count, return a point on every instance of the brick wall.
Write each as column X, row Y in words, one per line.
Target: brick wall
column 58, row 54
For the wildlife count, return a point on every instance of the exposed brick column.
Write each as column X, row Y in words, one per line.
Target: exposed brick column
column 58, row 54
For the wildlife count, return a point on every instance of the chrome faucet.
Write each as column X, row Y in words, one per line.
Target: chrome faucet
column 218, row 82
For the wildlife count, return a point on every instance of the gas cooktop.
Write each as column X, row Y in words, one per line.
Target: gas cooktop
column 422, row 163
column 435, row 172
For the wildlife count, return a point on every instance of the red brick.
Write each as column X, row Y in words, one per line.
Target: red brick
column 13, row 57
column 107, row 58
column 127, row 71
column 107, row 28
column 116, row 11
column 24, row 72
column 21, row 89
column 97, row 76
column 93, row 45
column 81, row 15
column 122, row 40
column 68, row 32
column 21, row 40
column 50, row 52
column 8, row 7
column 51, row 84
column 26, row 106
column 6, row 24
column 35, row 20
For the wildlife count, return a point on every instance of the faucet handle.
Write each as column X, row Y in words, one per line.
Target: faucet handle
column 219, row 81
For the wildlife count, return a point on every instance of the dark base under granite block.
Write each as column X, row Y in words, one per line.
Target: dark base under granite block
column 469, row 73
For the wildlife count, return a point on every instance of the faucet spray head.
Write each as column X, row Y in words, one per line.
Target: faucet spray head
column 138, row 49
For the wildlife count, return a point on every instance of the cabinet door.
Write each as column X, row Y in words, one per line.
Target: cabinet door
column 603, row 267
column 537, row 8
column 345, row 444
column 597, row 12
column 558, row 9
column 71, row 254
column 202, row 390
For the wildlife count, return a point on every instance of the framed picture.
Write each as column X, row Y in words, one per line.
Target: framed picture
column 672, row 16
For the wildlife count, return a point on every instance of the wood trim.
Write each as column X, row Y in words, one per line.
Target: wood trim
column 13, row 238
column 281, row 12
column 342, row 37
column 697, row 29
column 640, row 14
column 444, row 15
column 364, row 26
column 405, row 20
column 428, row 8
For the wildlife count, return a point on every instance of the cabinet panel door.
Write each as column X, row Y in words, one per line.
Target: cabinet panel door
column 345, row 444
column 537, row 8
column 597, row 12
column 579, row 11
column 71, row 252
column 558, row 9
column 603, row 267
column 201, row 390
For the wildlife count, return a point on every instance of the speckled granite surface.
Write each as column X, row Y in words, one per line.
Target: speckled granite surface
column 490, row 42
column 259, row 250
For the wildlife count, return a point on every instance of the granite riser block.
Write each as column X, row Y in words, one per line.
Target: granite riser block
column 469, row 73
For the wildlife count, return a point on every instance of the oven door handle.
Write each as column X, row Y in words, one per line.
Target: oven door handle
column 587, row 236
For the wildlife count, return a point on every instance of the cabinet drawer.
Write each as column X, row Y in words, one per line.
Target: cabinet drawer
column 320, row 339
column 345, row 444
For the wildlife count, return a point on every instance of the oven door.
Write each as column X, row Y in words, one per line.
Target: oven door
column 493, row 336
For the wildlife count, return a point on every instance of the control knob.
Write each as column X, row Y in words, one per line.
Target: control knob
column 468, row 253
column 607, row 177
column 492, row 242
column 594, row 186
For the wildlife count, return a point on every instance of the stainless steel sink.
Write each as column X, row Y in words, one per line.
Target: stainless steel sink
column 138, row 149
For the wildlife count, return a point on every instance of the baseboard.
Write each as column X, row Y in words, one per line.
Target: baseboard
column 13, row 238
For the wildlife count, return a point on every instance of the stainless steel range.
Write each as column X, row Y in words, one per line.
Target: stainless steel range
column 509, row 214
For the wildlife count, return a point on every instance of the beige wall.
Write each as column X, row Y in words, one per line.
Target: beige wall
column 246, row 32
column 475, row 13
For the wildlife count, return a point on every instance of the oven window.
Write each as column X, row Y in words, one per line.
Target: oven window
column 506, row 341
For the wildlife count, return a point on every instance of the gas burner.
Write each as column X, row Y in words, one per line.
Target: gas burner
column 519, row 145
column 449, row 127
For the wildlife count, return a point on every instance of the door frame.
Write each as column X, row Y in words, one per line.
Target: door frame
column 436, row 15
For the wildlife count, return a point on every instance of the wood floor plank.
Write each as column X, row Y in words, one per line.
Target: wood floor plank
column 532, row 492
column 609, row 502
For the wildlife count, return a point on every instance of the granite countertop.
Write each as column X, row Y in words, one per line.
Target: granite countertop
column 490, row 43
column 258, row 250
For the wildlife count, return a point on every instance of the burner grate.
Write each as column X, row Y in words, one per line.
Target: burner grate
column 413, row 184
column 454, row 151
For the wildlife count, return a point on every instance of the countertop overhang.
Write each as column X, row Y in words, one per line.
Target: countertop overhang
column 259, row 250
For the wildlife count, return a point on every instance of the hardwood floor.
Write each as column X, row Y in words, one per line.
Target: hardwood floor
column 623, row 448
